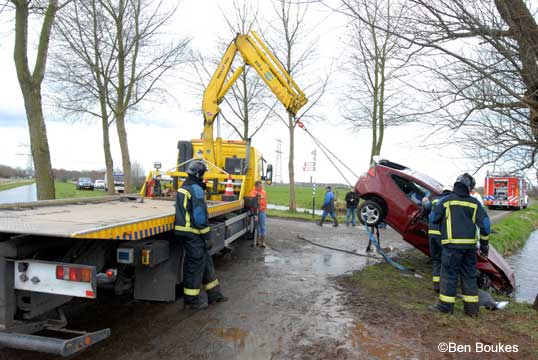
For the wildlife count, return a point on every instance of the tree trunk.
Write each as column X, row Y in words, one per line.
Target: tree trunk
column 124, row 146
column 30, row 85
column 245, row 106
column 108, row 157
column 39, row 144
column 291, row 171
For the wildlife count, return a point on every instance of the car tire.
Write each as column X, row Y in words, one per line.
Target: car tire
column 371, row 213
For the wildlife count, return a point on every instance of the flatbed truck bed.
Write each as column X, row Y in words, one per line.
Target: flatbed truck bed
column 106, row 218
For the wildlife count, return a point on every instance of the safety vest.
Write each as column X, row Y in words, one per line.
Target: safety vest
column 461, row 215
column 184, row 210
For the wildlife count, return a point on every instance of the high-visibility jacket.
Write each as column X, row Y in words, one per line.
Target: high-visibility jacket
column 263, row 198
column 458, row 215
column 191, row 210
column 433, row 228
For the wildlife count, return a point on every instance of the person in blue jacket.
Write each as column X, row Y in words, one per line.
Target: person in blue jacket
column 328, row 207
column 192, row 228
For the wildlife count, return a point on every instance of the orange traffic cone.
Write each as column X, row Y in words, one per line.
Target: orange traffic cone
column 229, row 192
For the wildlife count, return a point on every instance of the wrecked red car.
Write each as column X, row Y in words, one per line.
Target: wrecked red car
column 392, row 193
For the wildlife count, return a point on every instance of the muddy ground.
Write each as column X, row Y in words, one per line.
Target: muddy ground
column 285, row 303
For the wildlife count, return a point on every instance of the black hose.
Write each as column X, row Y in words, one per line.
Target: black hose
column 335, row 249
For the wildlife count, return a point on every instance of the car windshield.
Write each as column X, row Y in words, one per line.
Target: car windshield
column 85, row 180
column 99, row 181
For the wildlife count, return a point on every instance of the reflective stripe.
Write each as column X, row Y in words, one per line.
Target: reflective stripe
column 448, row 223
column 434, row 232
column 211, row 285
column 192, row 230
column 458, row 241
column 470, row 298
column 436, row 278
column 484, row 237
column 460, row 203
column 448, row 299
column 191, row 292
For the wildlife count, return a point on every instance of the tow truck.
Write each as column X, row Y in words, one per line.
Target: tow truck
column 55, row 250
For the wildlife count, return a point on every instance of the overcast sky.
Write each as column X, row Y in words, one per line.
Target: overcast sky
column 154, row 131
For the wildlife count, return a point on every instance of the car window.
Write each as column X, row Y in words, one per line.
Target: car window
column 411, row 189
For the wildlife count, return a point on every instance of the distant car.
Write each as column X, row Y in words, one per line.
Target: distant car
column 393, row 193
column 99, row 184
column 85, row 184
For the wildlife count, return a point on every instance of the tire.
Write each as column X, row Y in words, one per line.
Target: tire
column 371, row 212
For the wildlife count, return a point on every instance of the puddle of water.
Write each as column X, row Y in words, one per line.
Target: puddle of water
column 286, row 208
column 525, row 265
column 327, row 264
column 234, row 335
column 24, row 193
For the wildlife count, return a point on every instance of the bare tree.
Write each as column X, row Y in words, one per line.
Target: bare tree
column 83, row 64
column 246, row 111
column 116, row 60
column 294, row 40
column 30, row 83
column 485, row 67
column 377, row 64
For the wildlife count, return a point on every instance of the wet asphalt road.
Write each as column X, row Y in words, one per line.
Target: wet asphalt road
column 281, row 300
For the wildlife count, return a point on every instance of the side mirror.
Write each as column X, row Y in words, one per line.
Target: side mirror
column 269, row 175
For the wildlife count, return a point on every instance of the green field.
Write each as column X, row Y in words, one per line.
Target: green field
column 510, row 233
column 280, row 194
column 65, row 190
column 13, row 184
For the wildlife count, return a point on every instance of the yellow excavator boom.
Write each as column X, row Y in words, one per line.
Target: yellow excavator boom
column 256, row 54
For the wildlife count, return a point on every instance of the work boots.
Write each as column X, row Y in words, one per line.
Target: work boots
column 193, row 303
column 215, row 295
column 471, row 308
column 320, row 223
column 335, row 223
column 262, row 241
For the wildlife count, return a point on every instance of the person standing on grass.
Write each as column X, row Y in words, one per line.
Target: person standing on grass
column 328, row 207
column 259, row 192
column 352, row 201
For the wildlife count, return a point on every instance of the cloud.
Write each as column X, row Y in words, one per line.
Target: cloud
column 9, row 118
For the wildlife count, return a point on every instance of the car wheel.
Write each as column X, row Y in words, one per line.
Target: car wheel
column 371, row 213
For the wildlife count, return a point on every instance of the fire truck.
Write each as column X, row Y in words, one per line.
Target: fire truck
column 505, row 191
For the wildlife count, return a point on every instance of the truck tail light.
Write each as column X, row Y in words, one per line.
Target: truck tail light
column 72, row 273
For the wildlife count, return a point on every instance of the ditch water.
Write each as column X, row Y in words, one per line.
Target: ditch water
column 19, row 194
column 525, row 265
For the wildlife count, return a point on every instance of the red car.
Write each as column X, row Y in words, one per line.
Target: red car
column 393, row 194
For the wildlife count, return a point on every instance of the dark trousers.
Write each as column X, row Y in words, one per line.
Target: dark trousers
column 457, row 262
column 436, row 250
column 198, row 270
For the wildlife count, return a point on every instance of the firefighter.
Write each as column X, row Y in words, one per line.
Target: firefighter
column 434, row 237
column 458, row 215
column 192, row 227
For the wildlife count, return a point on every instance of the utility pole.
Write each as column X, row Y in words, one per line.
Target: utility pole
column 29, row 160
column 278, row 165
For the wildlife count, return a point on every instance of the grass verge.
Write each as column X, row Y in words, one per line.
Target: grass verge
column 280, row 194
column 15, row 184
column 65, row 190
column 385, row 298
column 301, row 215
column 511, row 232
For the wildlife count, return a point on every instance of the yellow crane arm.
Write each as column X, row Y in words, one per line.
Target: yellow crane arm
column 257, row 55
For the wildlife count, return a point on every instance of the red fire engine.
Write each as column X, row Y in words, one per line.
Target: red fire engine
column 505, row 191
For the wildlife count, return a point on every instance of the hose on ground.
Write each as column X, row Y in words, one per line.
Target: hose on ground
column 336, row 249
